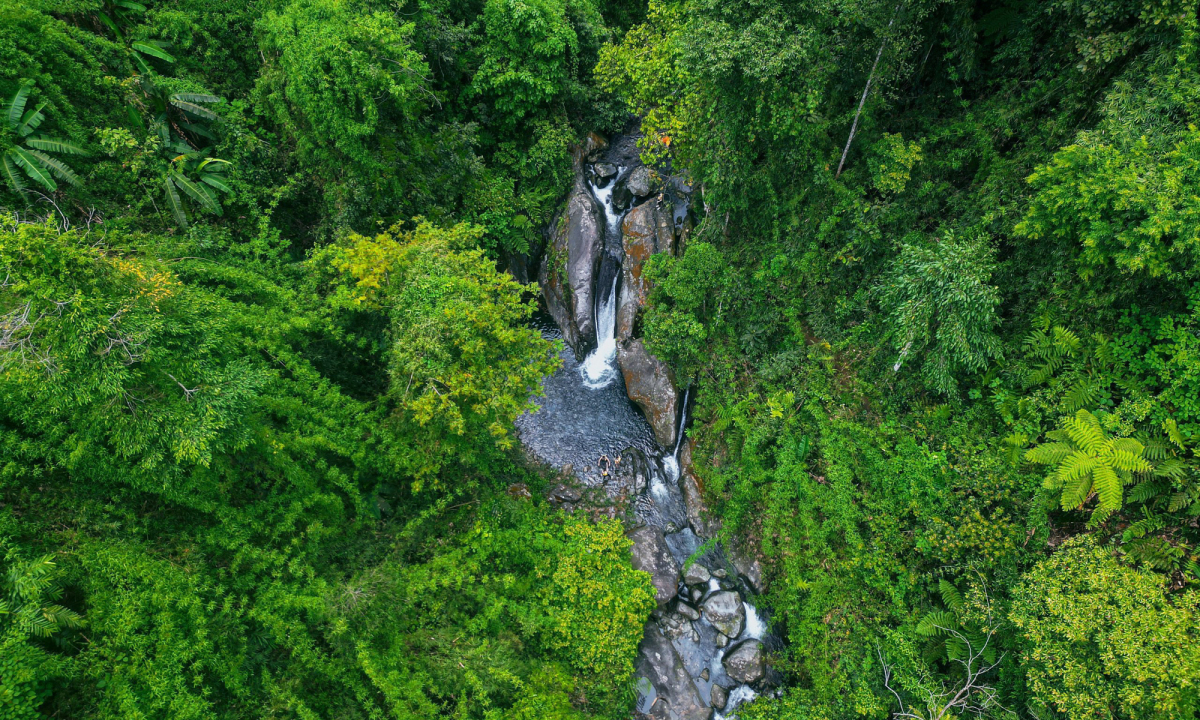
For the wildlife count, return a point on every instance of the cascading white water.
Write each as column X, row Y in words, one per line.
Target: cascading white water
column 671, row 462
column 599, row 367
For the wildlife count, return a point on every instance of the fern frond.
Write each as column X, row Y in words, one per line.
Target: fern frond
column 1172, row 430
column 1082, row 394
column 1173, row 468
column 951, row 596
column 1156, row 448
column 1129, row 445
column 1076, row 465
column 1085, row 431
column 1051, row 453
column 1146, row 490
column 1129, row 462
column 1065, row 341
column 1076, row 492
column 937, row 623
column 1108, row 487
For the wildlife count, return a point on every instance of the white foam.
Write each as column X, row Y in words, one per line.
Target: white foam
column 755, row 627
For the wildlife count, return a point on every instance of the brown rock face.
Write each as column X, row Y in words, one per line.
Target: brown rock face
column 647, row 230
column 571, row 261
column 651, row 386
column 689, row 485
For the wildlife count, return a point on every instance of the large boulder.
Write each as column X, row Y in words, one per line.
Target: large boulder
column 651, row 386
column 646, row 230
column 676, row 695
column 593, row 145
column 726, row 613
column 651, row 555
column 641, row 181
column 745, row 663
column 572, row 260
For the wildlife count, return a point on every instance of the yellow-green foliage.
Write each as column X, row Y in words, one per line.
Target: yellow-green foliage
column 463, row 364
column 596, row 600
column 1104, row 641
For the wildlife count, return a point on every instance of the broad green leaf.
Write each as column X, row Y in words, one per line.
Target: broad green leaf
column 194, row 109
column 216, row 182
column 31, row 120
column 12, row 176
column 56, row 166
column 196, row 97
column 197, row 193
column 217, row 165
column 16, row 106
column 151, row 50
column 33, row 168
column 175, row 203
column 57, row 145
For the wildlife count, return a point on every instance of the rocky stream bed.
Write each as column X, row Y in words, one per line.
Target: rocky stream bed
column 614, row 422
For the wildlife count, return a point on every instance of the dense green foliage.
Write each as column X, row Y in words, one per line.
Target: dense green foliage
column 256, row 455
column 259, row 370
column 940, row 312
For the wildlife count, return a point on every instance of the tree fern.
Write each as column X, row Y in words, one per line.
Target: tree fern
column 1087, row 463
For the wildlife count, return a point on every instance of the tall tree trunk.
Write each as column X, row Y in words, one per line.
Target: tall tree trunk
column 863, row 100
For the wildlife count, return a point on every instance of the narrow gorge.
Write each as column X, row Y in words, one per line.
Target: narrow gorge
column 613, row 424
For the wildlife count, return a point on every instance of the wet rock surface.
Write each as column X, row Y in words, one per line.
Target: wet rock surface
column 745, row 663
column 651, row 555
column 641, row 181
column 567, row 275
column 676, row 696
column 725, row 611
column 693, row 498
column 651, row 386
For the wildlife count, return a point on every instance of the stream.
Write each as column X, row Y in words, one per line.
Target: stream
column 587, row 425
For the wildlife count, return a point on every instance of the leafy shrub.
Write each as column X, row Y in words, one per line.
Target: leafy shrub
column 1103, row 641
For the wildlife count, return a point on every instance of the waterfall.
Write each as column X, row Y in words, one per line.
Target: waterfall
column 671, row 462
column 599, row 367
